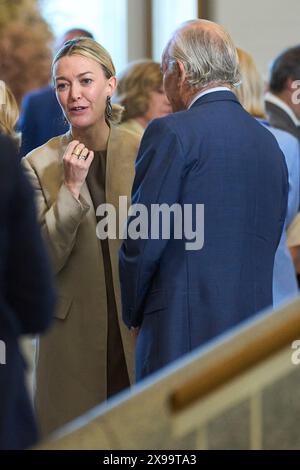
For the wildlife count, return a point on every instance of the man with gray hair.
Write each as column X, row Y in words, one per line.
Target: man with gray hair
column 210, row 152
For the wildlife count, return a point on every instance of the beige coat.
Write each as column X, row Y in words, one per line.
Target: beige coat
column 71, row 371
column 133, row 126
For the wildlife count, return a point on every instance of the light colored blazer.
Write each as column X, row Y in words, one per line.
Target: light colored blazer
column 71, row 368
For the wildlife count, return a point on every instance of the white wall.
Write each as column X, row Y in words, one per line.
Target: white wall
column 262, row 27
column 167, row 15
column 106, row 20
column 137, row 30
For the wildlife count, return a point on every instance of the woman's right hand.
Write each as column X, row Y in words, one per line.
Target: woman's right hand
column 76, row 160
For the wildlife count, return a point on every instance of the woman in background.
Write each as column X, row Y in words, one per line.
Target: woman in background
column 9, row 112
column 140, row 91
column 250, row 94
column 88, row 354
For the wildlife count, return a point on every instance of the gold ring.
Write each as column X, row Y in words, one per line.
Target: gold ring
column 76, row 153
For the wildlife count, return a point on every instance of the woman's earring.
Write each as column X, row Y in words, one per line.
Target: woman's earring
column 108, row 109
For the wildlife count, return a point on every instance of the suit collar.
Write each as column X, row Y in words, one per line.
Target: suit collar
column 270, row 98
column 280, row 119
column 112, row 163
column 205, row 92
column 216, row 96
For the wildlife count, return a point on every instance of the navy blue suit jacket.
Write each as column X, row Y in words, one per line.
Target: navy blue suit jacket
column 214, row 154
column 41, row 119
column 26, row 296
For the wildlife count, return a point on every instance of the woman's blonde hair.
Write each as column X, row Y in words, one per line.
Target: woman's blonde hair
column 91, row 49
column 9, row 111
column 250, row 92
column 136, row 83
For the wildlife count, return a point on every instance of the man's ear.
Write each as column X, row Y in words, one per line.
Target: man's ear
column 181, row 72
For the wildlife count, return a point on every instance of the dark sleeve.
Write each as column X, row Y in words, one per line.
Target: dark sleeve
column 159, row 171
column 29, row 281
column 27, row 126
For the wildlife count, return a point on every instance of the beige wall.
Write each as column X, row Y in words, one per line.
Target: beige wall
column 262, row 27
column 137, row 37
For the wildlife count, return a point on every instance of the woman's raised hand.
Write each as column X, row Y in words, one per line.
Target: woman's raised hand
column 77, row 160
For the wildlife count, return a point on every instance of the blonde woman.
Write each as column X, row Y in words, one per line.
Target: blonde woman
column 88, row 354
column 250, row 94
column 140, row 91
column 9, row 112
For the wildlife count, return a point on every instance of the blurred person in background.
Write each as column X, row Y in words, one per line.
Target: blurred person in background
column 26, row 293
column 250, row 94
column 283, row 112
column 9, row 112
column 282, row 99
column 88, row 354
column 41, row 116
column 140, row 91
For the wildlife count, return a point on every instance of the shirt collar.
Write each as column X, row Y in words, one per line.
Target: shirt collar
column 282, row 105
column 210, row 90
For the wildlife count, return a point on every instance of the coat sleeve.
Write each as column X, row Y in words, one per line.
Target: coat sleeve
column 28, row 277
column 61, row 221
column 159, row 172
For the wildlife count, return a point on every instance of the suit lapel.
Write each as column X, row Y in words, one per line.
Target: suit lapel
column 119, row 169
column 280, row 119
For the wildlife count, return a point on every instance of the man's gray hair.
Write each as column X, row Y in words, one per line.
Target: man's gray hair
column 207, row 53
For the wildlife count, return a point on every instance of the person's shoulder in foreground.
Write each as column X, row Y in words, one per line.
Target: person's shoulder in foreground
column 27, row 295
